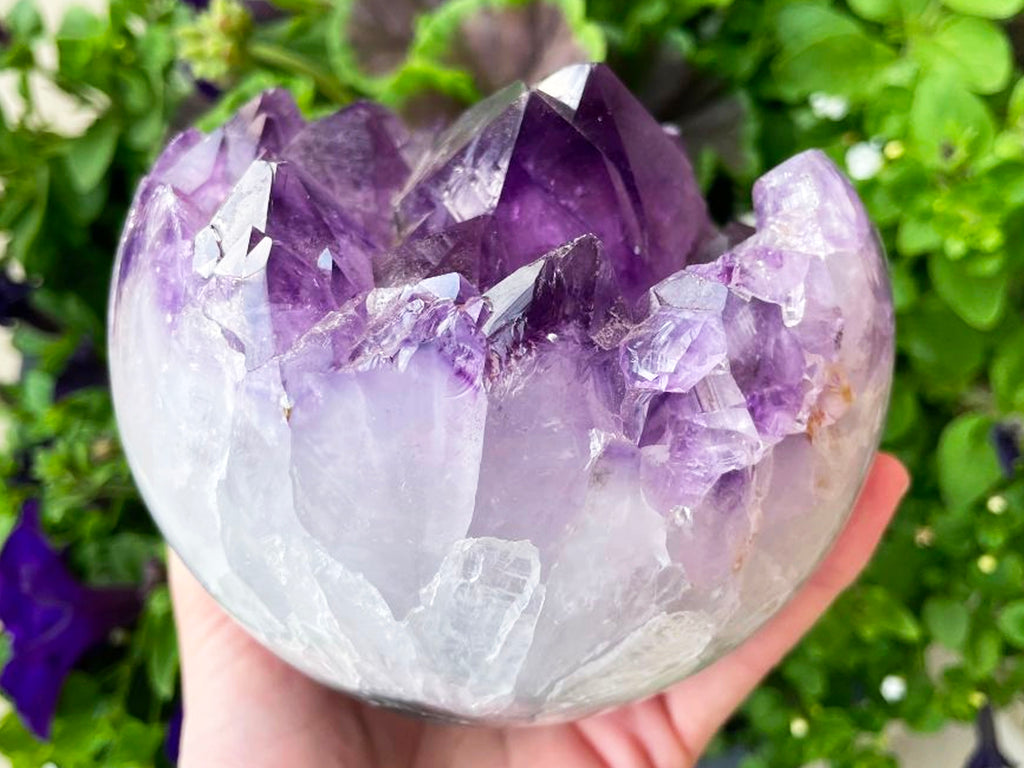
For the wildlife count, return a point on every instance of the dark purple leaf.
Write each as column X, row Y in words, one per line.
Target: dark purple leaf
column 708, row 115
column 497, row 46
column 524, row 42
column 380, row 31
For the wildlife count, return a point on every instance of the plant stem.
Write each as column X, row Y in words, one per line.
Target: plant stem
column 302, row 6
column 289, row 61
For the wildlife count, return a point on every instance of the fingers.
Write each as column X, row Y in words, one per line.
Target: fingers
column 702, row 703
column 194, row 609
column 205, row 631
column 244, row 706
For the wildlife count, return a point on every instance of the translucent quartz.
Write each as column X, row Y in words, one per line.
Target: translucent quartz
column 504, row 429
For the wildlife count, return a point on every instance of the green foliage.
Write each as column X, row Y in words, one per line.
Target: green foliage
column 967, row 466
column 993, row 9
column 947, row 620
column 936, row 84
column 822, row 49
column 62, row 205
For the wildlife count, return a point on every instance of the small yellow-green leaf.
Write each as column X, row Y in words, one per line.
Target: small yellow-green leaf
column 992, row 9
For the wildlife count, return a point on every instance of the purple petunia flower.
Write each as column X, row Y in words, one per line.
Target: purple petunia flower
column 84, row 369
column 15, row 305
column 172, row 744
column 13, row 299
column 1006, row 439
column 51, row 618
column 987, row 753
column 261, row 11
column 208, row 90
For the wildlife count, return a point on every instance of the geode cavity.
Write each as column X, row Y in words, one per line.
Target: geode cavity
column 497, row 425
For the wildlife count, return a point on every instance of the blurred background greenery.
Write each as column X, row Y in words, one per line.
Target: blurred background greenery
column 921, row 101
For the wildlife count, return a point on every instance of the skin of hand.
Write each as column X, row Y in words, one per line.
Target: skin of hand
column 244, row 707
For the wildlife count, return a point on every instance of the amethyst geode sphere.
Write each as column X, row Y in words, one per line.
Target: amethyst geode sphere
column 496, row 425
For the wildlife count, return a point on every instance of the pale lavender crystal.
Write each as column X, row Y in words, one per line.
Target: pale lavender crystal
column 503, row 428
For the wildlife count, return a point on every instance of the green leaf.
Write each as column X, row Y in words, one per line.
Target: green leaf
column 825, row 50
column 992, row 9
column 76, row 729
column 886, row 115
column 967, row 463
column 943, row 348
column 136, row 744
column 948, row 123
column 904, row 411
column 24, row 21
column 984, row 652
column 80, row 38
column 1007, row 374
column 1011, row 623
column 904, row 287
column 37, row 392
column 301, row 88
column 913, row 9
column 147, row 131
column 117, row 558
column 89, row 156
column 877, row 614
column 135, row 91
column 876, row 10
column 917, row 234
column 17, row 741
column 1015, row 107
column 156, row 49
column 421, row 76
column 767, row 710
column 806, row 676
column 947, row 620
column 975, row 51
column 26, row 229
column 157, row 642
column 979, row 300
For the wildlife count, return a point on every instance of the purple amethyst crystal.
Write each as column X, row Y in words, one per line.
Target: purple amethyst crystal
column 505, row 428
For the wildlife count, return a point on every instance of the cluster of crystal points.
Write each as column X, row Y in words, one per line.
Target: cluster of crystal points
column 500, row 425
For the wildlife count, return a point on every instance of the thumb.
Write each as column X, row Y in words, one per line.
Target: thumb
column 243, row 706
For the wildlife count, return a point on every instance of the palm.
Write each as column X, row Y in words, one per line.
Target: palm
column 246, row 708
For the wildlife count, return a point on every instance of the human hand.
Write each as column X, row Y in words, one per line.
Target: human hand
column 246, row 708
